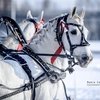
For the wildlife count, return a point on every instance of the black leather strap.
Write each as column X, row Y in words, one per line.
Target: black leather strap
column 23, row 64
column 14, row 27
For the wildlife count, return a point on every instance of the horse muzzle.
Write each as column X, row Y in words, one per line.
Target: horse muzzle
column 84, row 60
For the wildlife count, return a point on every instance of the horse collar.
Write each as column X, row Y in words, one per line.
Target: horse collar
column 14, row 27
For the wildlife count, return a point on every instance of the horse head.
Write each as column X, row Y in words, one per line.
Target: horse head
column 75, row 38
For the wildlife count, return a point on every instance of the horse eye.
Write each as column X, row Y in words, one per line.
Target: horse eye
column 74, row 32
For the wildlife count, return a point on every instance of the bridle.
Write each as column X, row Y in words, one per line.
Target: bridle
column 62, row 23
column 83, row 41
column 20, row 46
column 32, row 20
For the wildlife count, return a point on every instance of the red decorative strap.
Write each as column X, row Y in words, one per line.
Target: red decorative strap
column 19, row 47
column 58, row 51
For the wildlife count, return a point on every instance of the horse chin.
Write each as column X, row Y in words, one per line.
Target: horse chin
column 83, row 64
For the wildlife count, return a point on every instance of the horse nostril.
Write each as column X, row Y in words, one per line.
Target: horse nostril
column 85, row 57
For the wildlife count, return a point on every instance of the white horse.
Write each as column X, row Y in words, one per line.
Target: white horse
column 68, row 31
column 29, row 27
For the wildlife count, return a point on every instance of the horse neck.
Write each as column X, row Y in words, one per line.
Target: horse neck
column 45, row 42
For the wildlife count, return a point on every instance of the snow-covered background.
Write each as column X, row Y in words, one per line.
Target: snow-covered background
column 79, row 83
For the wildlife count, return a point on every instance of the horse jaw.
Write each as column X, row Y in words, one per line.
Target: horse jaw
column 78, row 52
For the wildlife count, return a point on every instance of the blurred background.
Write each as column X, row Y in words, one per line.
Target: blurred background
column 77, row 84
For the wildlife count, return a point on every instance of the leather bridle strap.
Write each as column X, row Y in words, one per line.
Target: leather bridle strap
column 83, row 41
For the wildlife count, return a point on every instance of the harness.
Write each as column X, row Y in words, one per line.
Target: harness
column 34, row 22
column 7, row 55
column 49, row 74
column 13, row 55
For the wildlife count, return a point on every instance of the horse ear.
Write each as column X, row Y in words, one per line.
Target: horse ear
column 41, row 16
column 29, row 15
column 82, row 14
column 73, row 12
